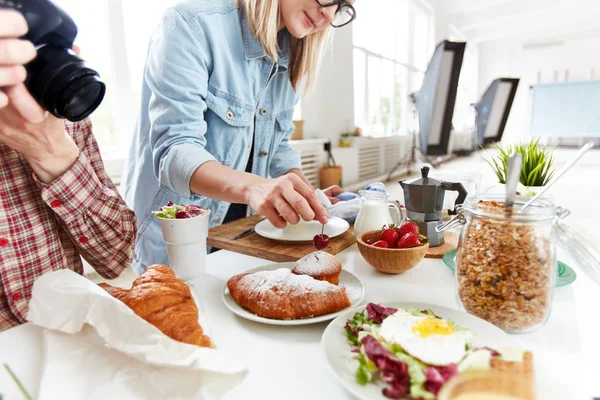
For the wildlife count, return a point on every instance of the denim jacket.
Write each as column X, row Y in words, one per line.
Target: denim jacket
column 208, row 87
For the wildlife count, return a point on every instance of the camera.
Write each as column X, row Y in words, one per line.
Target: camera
column 58, row 80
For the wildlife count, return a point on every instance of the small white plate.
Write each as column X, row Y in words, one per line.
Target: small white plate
column 343, row 365
column 354, row 288
column 302, row 231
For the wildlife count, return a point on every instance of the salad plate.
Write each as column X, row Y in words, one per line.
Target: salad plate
column 344, row 364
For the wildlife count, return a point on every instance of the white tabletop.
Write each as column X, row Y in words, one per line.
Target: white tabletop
column 287, row 362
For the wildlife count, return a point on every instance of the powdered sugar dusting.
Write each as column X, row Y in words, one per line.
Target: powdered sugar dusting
column 283, row 280
column 317, row 263
column 353, row 291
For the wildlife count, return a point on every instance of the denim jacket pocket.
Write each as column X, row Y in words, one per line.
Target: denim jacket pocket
column 234, row 122
column 232, row 111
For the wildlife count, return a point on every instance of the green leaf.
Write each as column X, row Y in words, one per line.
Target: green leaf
column 365, row 371
column 538, row 166
column 168, row 212
column 416, row 370
column 363, row 376
column 357, row 321
column 161, row 214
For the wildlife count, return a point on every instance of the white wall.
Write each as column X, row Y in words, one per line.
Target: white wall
column 511, row 59
column 328, row 110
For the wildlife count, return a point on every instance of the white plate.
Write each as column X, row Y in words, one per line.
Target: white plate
column 302, row 231
column 341, row 361
column 354, row 288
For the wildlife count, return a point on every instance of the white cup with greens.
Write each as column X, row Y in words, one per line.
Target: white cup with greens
column 185, row 229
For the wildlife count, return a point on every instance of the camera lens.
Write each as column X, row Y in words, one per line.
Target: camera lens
column 63, row 85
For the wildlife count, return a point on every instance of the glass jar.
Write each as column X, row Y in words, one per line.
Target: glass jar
column 506, row 261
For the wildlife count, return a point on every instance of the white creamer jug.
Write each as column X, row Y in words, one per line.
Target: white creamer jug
column 375, row 212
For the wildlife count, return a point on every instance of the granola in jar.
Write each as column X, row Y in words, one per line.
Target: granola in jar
column 505, row 266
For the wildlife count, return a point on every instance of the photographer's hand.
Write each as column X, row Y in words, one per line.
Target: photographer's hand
column 46, row 146
column 14, row 53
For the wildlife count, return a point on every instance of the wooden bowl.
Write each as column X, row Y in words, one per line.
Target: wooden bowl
column 390, row 261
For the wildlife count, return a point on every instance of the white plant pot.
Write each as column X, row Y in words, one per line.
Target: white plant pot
column 186, row 245
column 527, row 191
column 531, row 191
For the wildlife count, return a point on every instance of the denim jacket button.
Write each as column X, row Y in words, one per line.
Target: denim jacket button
column 263, row 154
column 229, row 114
column 263, row 111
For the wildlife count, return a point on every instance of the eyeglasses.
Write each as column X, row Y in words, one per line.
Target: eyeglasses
column 344, row 14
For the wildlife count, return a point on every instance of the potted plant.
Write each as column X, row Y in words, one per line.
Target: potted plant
column 538, row 167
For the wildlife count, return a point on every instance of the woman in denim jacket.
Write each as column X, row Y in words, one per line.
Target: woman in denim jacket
column 218, row 94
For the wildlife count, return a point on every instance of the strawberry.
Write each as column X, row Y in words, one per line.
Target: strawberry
column 408, row 227
column 382, row 244
column 390, row 235
column 409, row 240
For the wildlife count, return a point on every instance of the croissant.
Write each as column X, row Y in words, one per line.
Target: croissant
column 279, row 294
column 166, row 302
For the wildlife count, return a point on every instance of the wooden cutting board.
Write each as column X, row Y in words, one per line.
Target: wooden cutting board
column 257, row 246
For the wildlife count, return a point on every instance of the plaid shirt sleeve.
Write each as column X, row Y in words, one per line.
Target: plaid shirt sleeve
column 89, row 208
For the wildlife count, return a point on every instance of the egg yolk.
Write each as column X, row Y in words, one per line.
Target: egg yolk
column 432, row 326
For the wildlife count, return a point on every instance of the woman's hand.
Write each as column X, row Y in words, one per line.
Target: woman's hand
column 333, row 191
column 45, row 145
column 284, row 200
column 14, row 53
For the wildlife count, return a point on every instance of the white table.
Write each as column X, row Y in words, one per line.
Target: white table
column 287, row 362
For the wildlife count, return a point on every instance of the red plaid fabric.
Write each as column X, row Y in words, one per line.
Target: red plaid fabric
column 44, row 228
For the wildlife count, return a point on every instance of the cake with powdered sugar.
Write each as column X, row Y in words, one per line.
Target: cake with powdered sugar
column 320, row 265
column 280, row 294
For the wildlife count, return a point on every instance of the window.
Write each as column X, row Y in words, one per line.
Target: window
column 391, row 53
column 93, row 39
column 114, row 37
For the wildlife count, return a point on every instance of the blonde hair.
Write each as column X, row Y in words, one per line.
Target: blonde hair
column 305, row 54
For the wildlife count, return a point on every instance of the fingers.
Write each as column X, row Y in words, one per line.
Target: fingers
column 299, row 204
column 273, row 216
column 333, row 191
column 333, row 200
column 25, row 105
column 16, row 52
column 3, row 99
column 305, row 191
column 286, row 211
column 12, row 75
column 13, row 24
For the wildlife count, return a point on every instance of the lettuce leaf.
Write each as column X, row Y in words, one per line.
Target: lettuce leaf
column 378, row 313
column 393, row 371
column 365, row 371
column 168, row 212
column 416, row 370
column 421, row 313
column 353, row 327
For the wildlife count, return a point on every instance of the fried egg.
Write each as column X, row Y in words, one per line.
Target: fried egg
column 429, row 339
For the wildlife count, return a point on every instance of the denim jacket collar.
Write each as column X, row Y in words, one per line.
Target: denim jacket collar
column 254, row 50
